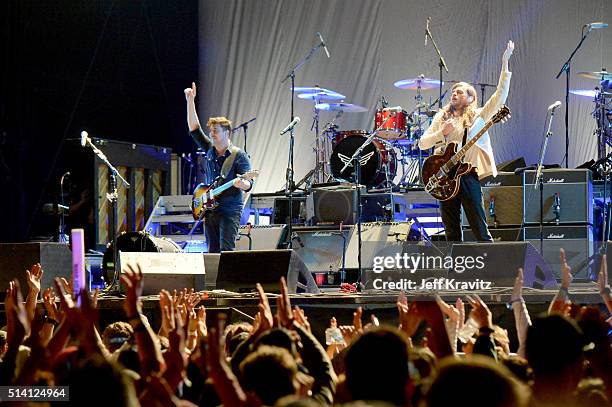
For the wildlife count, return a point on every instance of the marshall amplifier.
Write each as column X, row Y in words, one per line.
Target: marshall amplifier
column 567, row 197
column 576, row 240
column 502, row 200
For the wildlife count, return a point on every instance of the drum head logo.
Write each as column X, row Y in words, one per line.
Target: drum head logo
column 362, row 161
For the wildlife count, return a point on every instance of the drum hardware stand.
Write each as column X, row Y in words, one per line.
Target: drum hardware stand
column 567, row 68
column 441, row 62
column 289, row 176
column 245, row 127
column 112, row 197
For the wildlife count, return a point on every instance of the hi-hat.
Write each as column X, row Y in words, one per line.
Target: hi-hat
column 591, row 93
column 416, row 83
column 601, row 75
column 341, row 107
column 317, row 93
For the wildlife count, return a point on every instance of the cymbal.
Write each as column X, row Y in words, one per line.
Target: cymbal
column 600, row 75
column 321, row 96
column 317, row 93
column 591, row 93
column 341, row 107
column 415, row 83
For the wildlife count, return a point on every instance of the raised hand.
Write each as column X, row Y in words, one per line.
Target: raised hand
column 133, row 281
column 508, row 52
column 53, row 311
column 566, row 270
column 517, row 290
column 17, row 321
column 409, row 317
column 284, row 315
column 480, row 312
column 267, row 319
column 300, row 317
column 34, row 277
column 190, row 93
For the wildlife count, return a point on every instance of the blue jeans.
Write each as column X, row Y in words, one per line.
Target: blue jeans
column 221, row 229
column 470, row 196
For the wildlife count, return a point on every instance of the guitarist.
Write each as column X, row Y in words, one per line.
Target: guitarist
column 448, row 126
column 221, row 225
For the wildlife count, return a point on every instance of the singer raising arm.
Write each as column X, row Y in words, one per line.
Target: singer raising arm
column 448, row 127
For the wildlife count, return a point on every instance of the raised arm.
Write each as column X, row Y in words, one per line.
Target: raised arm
column 193, row 122
column 521, row 314
column 192, row 116
column 498, row 98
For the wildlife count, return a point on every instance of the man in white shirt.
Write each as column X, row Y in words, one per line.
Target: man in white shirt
column 448, row 126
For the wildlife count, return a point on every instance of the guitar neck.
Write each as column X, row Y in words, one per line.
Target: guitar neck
column 224, row 187
column 461, row 153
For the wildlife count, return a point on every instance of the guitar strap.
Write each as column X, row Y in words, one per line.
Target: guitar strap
column 229, row 161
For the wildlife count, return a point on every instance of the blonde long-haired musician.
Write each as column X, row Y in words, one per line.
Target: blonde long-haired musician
column 448, row 126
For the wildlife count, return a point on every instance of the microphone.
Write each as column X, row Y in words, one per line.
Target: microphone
column 84, row 138
column 291, row 125
column 295, row 236
column 596, row 25
column 427, row 30
column 557, row 207
column 554, row 105
column 325, row 46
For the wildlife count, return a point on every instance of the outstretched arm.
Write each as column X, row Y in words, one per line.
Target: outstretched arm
column 193, row 122
column 498, row 98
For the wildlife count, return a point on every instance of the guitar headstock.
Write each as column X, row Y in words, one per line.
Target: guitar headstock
column 502, row 115
column 249, row 175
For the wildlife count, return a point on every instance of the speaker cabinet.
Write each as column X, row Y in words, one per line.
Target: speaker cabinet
column 577, row 241
column 321, row 249
column 240, row 271
column 15, row 258
column 262, row 237
column 502, row 197
column 572, row 189
column 498, row 235
column 500, row 264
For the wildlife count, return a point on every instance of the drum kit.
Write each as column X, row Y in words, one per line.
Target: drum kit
column 602, row 113
column 396, row 142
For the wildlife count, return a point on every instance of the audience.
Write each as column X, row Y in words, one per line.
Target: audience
column 439, row 355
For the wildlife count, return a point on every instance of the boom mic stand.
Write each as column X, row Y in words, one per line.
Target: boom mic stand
column 538, row 180
column 112, row 198
column 245, row 127
column 289, row 187
column 355, row 159
column 441, row 62
column 566, row 68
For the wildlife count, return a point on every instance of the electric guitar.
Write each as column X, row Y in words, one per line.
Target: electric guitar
column 442, row 172
column 204, row 197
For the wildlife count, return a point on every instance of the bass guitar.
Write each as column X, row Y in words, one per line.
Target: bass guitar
column 442, row 172
column 204, row 197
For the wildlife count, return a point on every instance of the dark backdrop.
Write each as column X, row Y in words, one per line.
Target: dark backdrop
column 115, row 68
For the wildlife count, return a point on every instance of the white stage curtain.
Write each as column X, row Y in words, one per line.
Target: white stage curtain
column 248, row 46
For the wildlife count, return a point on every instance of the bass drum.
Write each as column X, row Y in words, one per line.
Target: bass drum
column 378, row 159
column 136, row 242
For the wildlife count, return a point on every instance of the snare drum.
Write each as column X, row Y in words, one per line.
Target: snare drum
column 394, row 124
column 378, row 159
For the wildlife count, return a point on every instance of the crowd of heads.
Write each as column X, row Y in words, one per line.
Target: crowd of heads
column 440, row 354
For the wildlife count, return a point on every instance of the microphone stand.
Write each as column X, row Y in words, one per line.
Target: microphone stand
column 62, row 238
column 245, row 127
column 289, row 175
column 355, row 159
column 566, row 68
column 539, row 183
column 112, row 198
column 441, row 63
